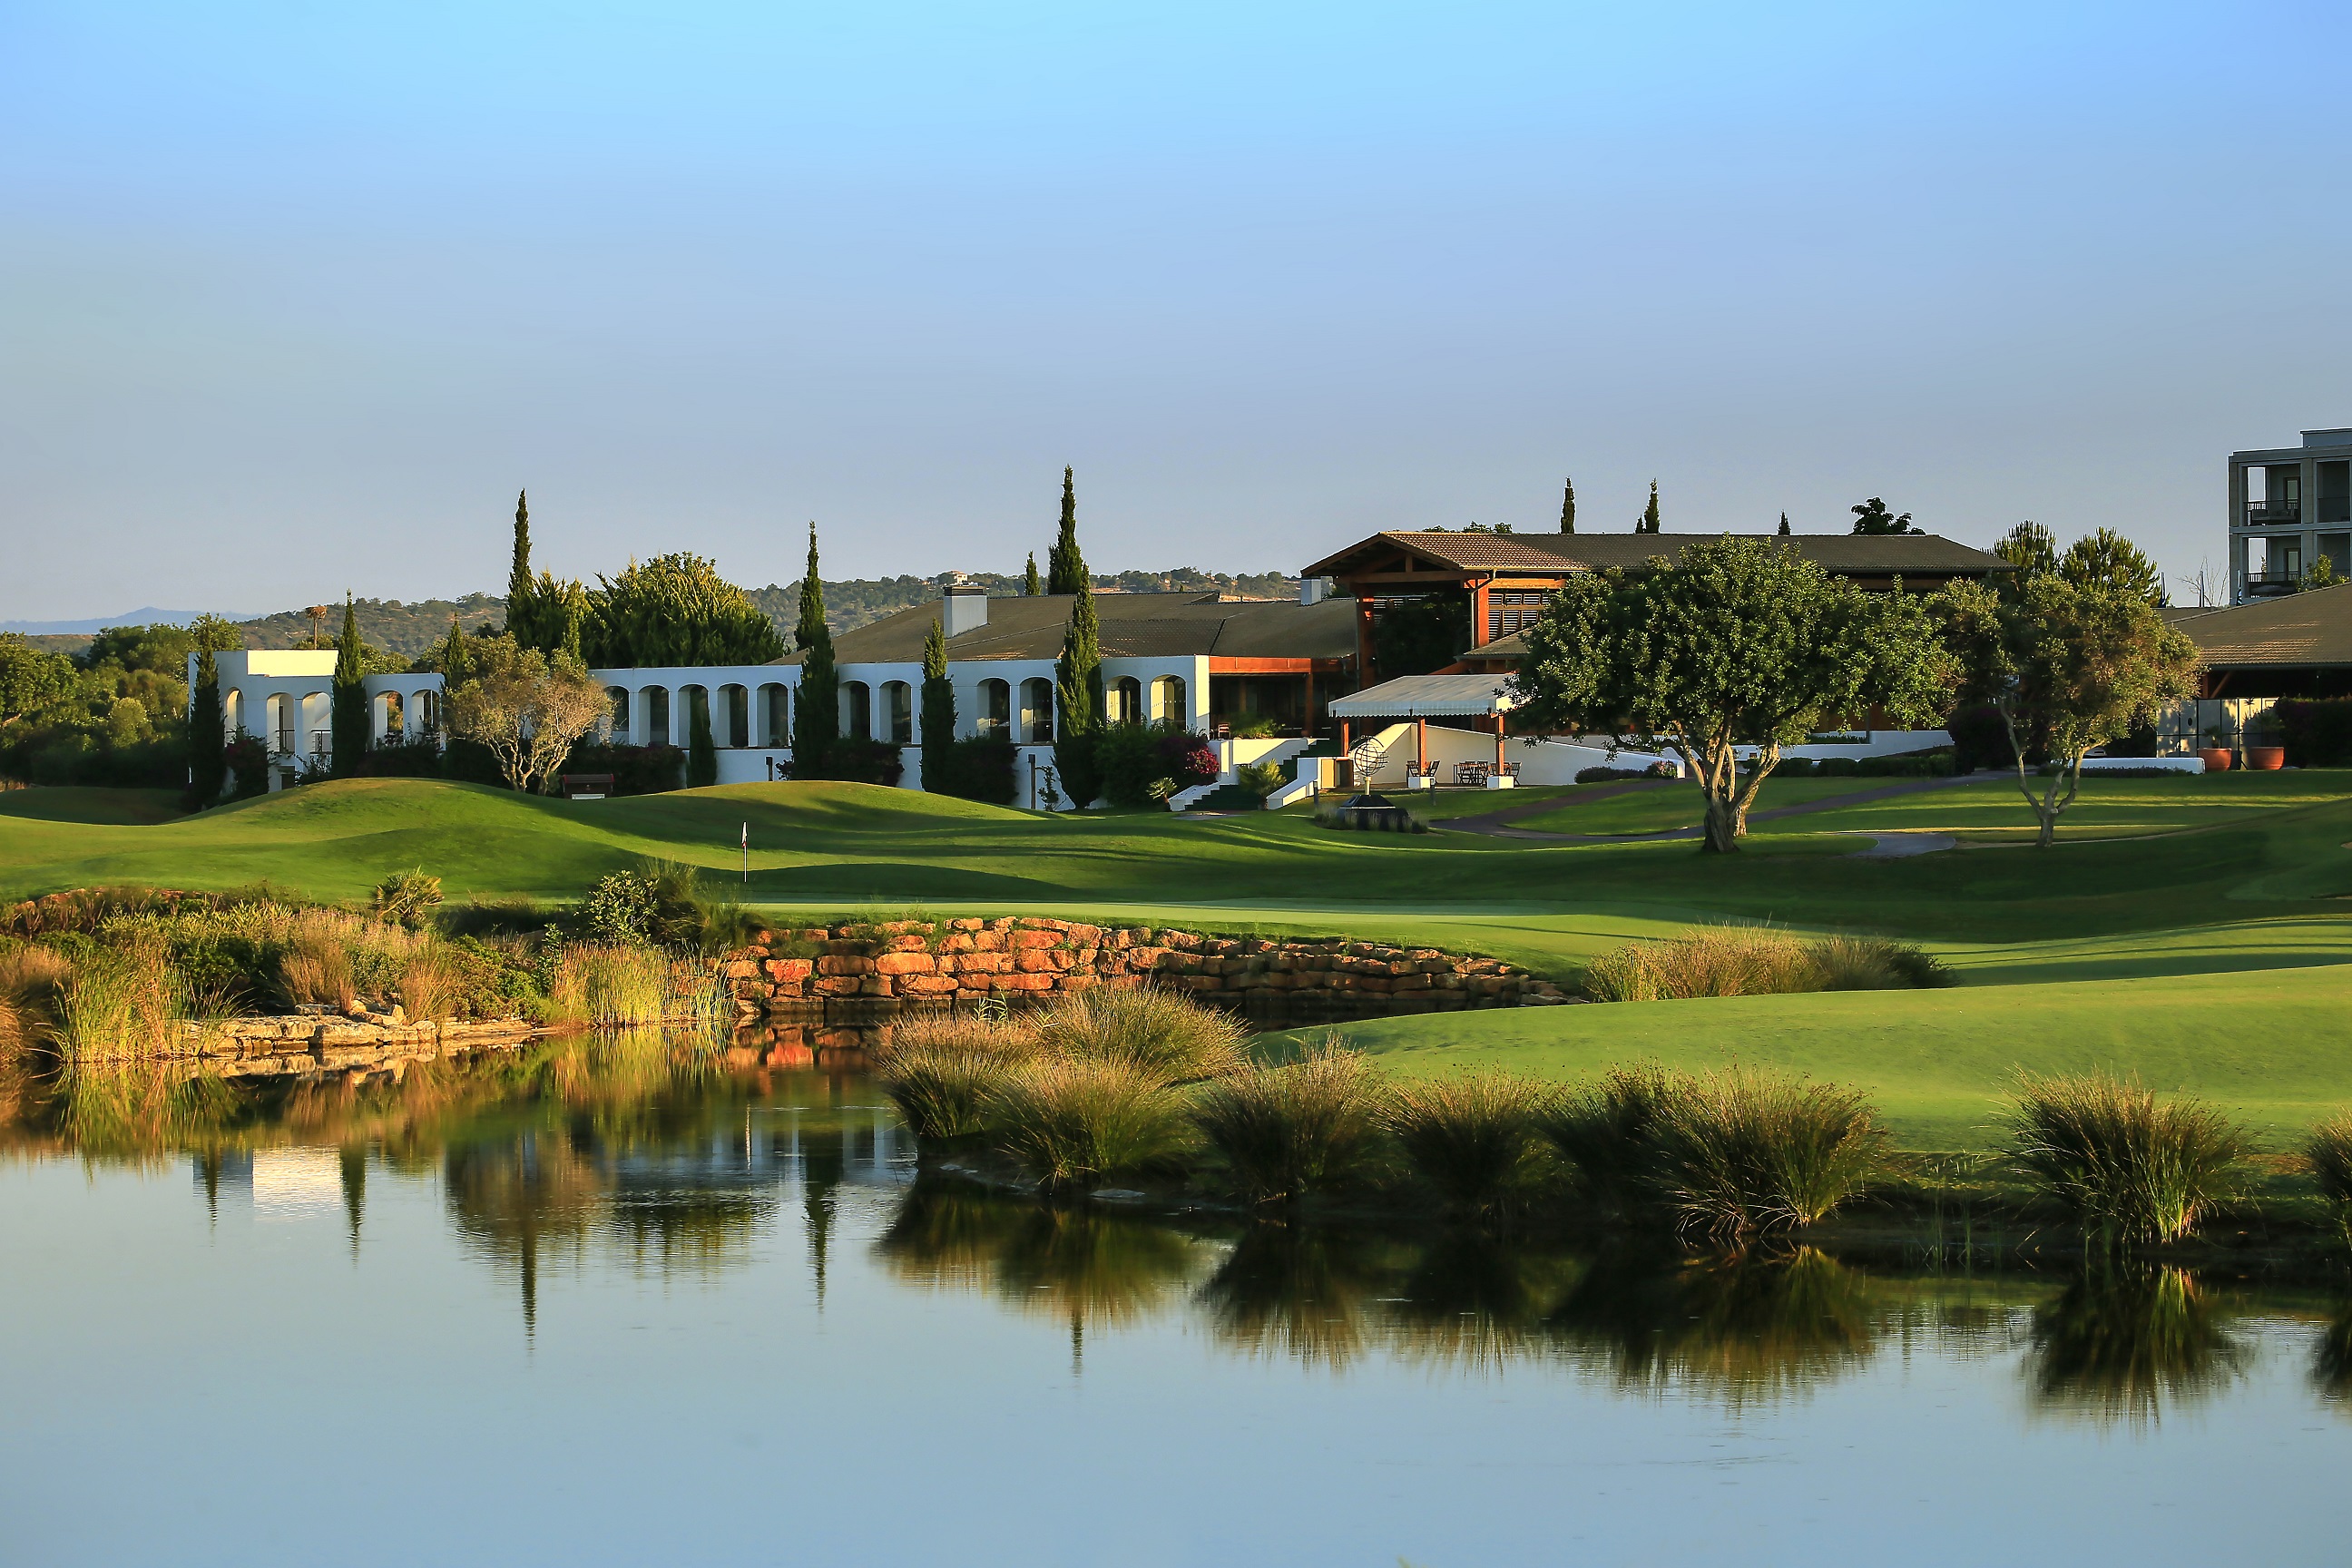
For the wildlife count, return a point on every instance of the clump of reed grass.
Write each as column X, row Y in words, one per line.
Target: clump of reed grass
column 1075, row 1121
column 1471, row 1137
column 1159, row 1034
column 2129, row 1167
column 1606, row 1132
column 1742, row 1153
column 120, row 1006
column 31, row 976
column 317, row 973
column 1752, row 960
column 620, row 984
column 2329, row 1151
column 431, row 987
column 1289, row 1130
column 941, row 1072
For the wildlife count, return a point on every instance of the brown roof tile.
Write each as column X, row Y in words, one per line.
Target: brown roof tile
column 1847, row 554
column 2300, row 630
column 1134, row 626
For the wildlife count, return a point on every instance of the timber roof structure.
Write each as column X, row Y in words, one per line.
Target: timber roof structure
column 1134, row 626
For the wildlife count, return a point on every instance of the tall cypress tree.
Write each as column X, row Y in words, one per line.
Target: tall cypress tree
column 208, row 744
column 1784, row 525
column 1567, row 508
column 1066, row 568
column 938, row 717
column 349, row 706
column 1030, row 586
column 817, row 705
column 455, row 666
column 1649, row 523
column 522, row 599
column 701, row 754
column 1077, row 703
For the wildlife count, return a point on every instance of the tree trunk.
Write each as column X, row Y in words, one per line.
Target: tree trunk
column 1723, row 825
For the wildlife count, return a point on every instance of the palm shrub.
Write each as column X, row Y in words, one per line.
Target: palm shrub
column 1071, row 1121
column 2329, row 1151
column 1471, row 1138
column 1157, row 1033
column 2128, row 1166
column 1286, row 1131
column 1741, row 1151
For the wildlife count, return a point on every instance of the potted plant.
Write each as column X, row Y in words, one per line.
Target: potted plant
column 2265, row 746
column 2216, row 753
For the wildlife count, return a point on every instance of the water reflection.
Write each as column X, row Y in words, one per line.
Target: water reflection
column 2122, row 1344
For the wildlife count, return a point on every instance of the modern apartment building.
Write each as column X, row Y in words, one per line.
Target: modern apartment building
column 2290, row 507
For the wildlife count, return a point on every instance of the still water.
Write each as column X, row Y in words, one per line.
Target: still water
column 612, row 1303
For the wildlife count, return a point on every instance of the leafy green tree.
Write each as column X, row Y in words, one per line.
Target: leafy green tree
column 349, row 704
column 673, row 612
column 527, row 708
column 1649, row 520
column 816, row 704
column 1030, row 586
column 701, row 754
column 938, row 717
column 31, row 680
column 1078, row 701
column 2031, row 548
column 1872, row 517
column 1568, row 508
column 2320, row 574
column 1065, row 566
column 207, row 726
column 1741, row 643
column 2105, row 559
column 2077, row 664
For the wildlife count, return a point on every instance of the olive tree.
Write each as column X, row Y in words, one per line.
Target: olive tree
column 529, row 708
column 1739, row 643
column 2076, row 664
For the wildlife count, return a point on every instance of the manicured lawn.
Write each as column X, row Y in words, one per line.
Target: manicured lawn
column 1990, row 810
column 1678, row 805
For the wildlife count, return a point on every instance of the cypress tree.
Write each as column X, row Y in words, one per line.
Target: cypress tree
column 1030, row 586
column 1065, row 568
column 701, row 756
column 349, row 708
column 207, row 747
column 1567, row 510
column 522, row 606
column 938, row 716
column 1649, row 523
column 817, row 705
column 1077, row 703
column 455, row 666
column 1784, row 525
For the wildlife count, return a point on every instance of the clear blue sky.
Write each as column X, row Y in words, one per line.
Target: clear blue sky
column 293, row 298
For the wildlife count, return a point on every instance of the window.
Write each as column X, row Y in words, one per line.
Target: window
column 857, row 709
column 620, row 699
column 1168, row 701
column 776, row 703
column 735, row 713
column 2335, row 492
column 995, row 717
column 898, row 712
column 1123, row 700
column 1038, row 712
column 1511, row 610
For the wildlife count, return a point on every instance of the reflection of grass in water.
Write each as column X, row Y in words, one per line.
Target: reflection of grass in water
column 2121, row 1342
column 1301, row 1291
column 1095, row 1267
column 701, row 1231
column 140, row 1112
column 2331, row 1364
column 1477, row 1302
column 1732, row 1329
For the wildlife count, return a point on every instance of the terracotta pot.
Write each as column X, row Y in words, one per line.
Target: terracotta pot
column 2265, row 759
column 2216, row 759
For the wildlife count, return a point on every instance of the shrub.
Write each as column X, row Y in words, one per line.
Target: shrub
column 406, row 897
column 1261, row 779
column 2329, row 1151
column 515, row 916
column 1742, row 1152
column 1606, row 1132
column 2128, row 1166
column 1471, row 1138
column 1747, row 961
column 622, row 909
column 417, row 759
column 317, row 970
column 2317, row 734
column 856, row 761
column 1074, row 1122
column 1289, row 1130
column 1609, row 774
column 1158, row 1033
column 1844, row 962
column 635, row 770
column 977, row 767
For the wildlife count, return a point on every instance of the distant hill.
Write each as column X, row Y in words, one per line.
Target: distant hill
column 409, row 628
column 150, row 616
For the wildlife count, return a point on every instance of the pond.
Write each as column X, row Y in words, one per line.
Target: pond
column 621, row 1303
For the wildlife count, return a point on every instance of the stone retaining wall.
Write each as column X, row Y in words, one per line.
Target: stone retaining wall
column 857, row 972
column 324, row 1042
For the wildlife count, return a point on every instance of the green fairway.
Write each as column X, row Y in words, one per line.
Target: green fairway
column 1678, row 805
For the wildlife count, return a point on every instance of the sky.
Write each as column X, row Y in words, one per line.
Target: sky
column 295, row 296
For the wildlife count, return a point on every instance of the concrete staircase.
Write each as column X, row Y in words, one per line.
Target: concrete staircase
column 1213, row 796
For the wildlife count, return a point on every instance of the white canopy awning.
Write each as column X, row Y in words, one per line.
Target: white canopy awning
column 1429, row 696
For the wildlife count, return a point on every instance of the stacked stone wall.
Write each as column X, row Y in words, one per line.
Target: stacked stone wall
column 307, row 1043
column 852, row 971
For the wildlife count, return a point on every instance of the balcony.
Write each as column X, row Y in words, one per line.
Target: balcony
column 2272, row 513
column 2271, row 585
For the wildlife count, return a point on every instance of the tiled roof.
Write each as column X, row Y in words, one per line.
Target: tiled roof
column 1134, row 626
column 1846, row 554
column 2299, row 630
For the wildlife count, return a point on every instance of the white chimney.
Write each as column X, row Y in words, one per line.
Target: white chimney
column 963, row 610
column 1311, row 590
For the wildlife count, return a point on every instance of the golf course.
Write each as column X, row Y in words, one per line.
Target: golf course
column 2190, row 931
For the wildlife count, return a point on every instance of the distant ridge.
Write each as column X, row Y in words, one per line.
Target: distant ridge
column 150, row 616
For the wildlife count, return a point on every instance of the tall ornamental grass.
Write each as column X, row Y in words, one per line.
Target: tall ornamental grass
column 31, row 977
column 120, row 1006
column 1742, row 1153
column 1073, row 1122
column 1752, row 960
column 613, row 985
column 1286, row 1131
column 2329, row 1151
column 941, row 1072
column 1470, row 1137
column 1160, row 1034
column 2128, row 1166
column 1606, row 1133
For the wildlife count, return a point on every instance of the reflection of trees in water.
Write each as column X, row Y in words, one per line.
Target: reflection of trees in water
column 1471, row 1300
column 2122, row 1342
column 1302, row 1291
column 1736, row 1329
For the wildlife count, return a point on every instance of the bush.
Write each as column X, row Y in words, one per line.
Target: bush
column 406, row 897
column 1742, row 1153
column 248, row 760
column 622, row 984
column 1133, row 758
column 1158, row 1033
column 2317, row 734
column 1980, row 739
column 635, row 770
column 1606, row 774
column 1261, row 779
column 417, row 759
column 1746, row 961
column 2128, row 1166
column 31, row 976
column 1471, row 1138
column 848, row 761
column 1075, row 1121
column 979, row 767
column 1286, row 1132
